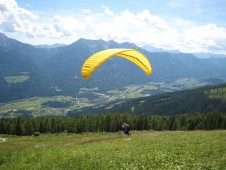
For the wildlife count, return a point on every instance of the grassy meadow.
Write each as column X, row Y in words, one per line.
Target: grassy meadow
column 144, row 150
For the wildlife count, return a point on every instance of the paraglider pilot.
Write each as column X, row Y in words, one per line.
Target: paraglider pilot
column 125, row 126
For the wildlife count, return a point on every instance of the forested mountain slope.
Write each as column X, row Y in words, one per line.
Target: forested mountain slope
column 203, row 100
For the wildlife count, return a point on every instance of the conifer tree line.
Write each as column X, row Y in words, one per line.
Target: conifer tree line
column 112, row 123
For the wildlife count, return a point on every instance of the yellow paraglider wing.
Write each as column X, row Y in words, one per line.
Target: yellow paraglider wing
column 94, row 61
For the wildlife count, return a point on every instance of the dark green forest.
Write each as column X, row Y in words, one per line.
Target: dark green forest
column 112, row 123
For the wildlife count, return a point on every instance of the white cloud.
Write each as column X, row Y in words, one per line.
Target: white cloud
column 206, row 38
column 108, row 11
column 14, row 18
column 142, row 28
column 68, row 26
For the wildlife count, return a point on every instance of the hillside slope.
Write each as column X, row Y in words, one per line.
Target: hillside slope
column 145, row 150
column 202, row 100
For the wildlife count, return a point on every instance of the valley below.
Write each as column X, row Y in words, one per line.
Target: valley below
column 61, row 105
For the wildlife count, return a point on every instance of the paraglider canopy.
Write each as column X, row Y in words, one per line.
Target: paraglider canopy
column 94, row 61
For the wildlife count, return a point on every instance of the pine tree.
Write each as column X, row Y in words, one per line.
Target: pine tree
column 29, row 129
column 19, row 128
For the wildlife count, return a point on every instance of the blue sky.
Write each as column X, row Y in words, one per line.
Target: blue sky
column 184, row 25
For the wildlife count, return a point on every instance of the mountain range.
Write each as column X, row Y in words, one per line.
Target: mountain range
column 27, row 71
column 199, row 55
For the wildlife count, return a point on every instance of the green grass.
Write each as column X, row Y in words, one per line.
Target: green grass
column 90, row 89
column 16, row 79
column 145, row 150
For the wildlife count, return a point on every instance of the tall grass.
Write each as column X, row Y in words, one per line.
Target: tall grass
column 145, row 150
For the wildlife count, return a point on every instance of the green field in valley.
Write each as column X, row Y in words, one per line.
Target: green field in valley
column 144, row 150
column 16, row 79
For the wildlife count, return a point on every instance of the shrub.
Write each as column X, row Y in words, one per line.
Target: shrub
column 37, row 134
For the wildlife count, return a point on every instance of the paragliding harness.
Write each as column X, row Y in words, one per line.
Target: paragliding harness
column 126, row 129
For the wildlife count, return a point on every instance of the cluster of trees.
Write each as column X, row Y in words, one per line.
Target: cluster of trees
column 112, row 123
